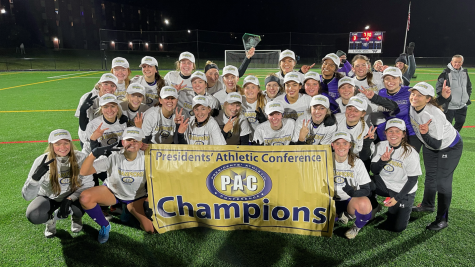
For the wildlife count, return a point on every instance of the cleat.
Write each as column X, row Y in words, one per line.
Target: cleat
column 437, row 225
column 420, row 208
column 50, row 230
column 76, row 224
column 352, row 232
column 104, row 234
column 342, row 218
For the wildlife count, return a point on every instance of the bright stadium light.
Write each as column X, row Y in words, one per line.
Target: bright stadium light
column 112, row 42
column 55, row 39
column 3, row 11
column 367, row 27
column 189, row 31
column 161, row 45
column 130, row 43
column 166, row 21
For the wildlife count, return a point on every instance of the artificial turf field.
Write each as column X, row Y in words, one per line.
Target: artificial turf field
column 35, row 103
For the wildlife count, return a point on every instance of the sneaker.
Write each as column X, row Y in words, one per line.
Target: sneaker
column 350, row 217
column 76, row 224
column 375, row 211
column 107, row 215
column 104, row 234
column 50, row 230
column 342, row 218
column 420, row 208
column 352, row 232
column 437, row 225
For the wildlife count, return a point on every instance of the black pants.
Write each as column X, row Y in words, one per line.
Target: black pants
column 41, row 209
column 99, row 176
column 414, row 141
column 399, row 214
column 459, row 115
column 440, row 166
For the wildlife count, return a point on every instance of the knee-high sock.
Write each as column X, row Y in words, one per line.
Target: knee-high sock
column 361, row 219
column 97, row 215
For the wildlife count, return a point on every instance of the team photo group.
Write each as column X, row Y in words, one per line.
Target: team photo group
column 376, row 123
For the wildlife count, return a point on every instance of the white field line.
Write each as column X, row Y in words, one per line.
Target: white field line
column 60, row 76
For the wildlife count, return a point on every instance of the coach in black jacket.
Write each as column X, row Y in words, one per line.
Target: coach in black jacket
column 458, row 80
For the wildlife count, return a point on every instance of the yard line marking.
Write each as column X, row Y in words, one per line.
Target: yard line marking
column 10, row 73
column 22, row 142
column 59, row 76
column 1, row 89
column 50, row 110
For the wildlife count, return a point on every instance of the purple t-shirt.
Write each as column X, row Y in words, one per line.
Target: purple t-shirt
column 402, row 111
column 331, row 88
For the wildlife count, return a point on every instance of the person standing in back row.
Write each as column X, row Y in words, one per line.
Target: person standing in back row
column 458, row 80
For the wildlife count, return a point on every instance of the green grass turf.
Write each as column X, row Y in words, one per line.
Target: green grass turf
column 23, row 244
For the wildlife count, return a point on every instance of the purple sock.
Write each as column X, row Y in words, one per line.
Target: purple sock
column 97, row 215
column 361, row 219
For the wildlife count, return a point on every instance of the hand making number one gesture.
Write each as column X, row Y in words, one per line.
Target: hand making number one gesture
column 446, row 90
column 424, row 128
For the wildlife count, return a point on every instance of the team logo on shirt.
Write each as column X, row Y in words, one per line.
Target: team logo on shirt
column 127, row 180
column 165, row 134
column 111, row 141
column 339, row 181
column 239, row 182
column 64, row 181
column 388, row 168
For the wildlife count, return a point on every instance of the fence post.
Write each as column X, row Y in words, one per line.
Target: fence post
column 31, row 64
column 54, row 59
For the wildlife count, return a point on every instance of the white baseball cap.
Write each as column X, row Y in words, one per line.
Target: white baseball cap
column 230, row 69
column 59, row 134
column 147, row 60
column 358, row 103
column 292, row 76
column 136, row 88
column 187, row 55
column 392, row 71
column 233, row 98
column 334, row 58
column 311, row 75
column 200, row 100
column 108, row 98
column 423, row 88
column 251, row 79
column 274, row 106
column 120, row 62
column 341, row 135
column 108, row 77
column 346, row 80
column 287, row 53
column 133, row 133
column 320, row 100
column 396, row 123
column 167, row 91
column 198, row 74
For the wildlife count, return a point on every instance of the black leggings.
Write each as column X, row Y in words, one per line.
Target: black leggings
column 459, row 115
column 41, row 209
column 399, row 214
column 440, row 166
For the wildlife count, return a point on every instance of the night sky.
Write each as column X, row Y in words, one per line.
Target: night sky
column 439, row 28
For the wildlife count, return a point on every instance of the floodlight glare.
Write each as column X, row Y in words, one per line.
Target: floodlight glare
column 189, row 31
column 166, row 21
column 3, row 11
column 367, row 27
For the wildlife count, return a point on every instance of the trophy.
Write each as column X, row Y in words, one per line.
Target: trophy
column 250, row 40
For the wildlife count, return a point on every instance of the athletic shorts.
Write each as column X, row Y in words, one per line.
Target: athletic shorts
column 126, row 202
column 341, row 205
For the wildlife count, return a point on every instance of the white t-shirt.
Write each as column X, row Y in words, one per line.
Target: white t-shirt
column 162, row 129
column 297, row 109
column 126, row 179
column 397, row 170
column 317, row 135
column 132, row 114
column 245, row 129
column 151, row 91
column 90, row 112
column 264, row 134
column 218, row 86
column 221, row 97
column 110, row 136
column 439, row 128
column 357, row 132
column 173, row 78
column 355, row 176
column 121, row 91
column 185, row 101
column 208, row 134
column 249, row 111
column 375, row 116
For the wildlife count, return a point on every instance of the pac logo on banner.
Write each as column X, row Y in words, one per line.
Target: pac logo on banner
column 286, row 189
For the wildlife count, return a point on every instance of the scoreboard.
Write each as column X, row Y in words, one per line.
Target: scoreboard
column 368, row 42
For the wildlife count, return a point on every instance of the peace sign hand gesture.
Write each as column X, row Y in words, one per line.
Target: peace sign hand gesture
column 180, row 86
column 42, row 169
column 229, row 125
column 98, row 133
column 368, row 93
column 178, row 116
column 304, row 131
column 370, row 134
column 446, row 90
column 387, row 155
column 424, row 128
column 183, row 126
column 306, row 68
column 138, row 120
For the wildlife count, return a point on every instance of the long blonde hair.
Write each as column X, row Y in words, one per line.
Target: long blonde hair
column 369, row 74
column 74, row 182
column 236, row 125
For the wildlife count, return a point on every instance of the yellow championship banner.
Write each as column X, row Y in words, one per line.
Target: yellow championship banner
column 286, row 189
